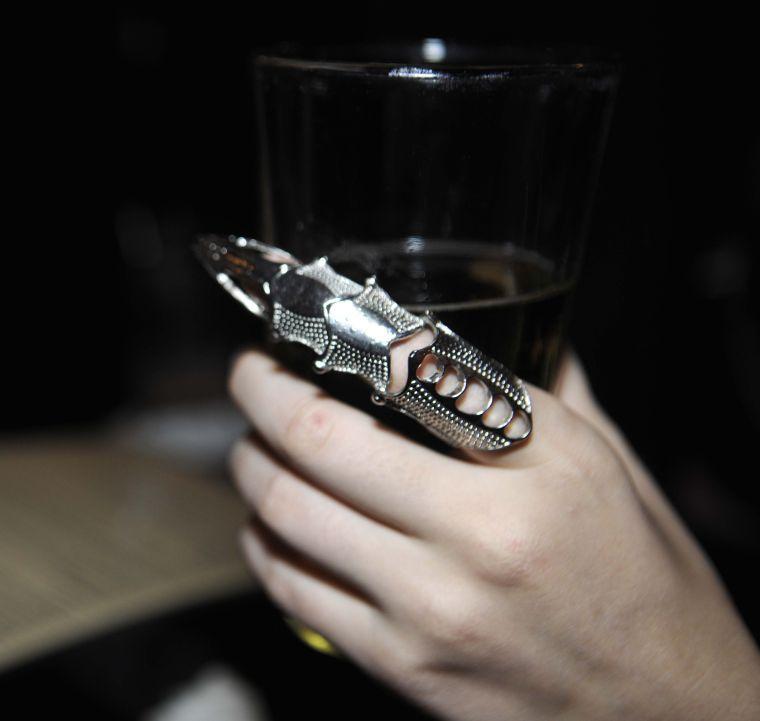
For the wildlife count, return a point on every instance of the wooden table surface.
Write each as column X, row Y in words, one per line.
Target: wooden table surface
column 93, row 537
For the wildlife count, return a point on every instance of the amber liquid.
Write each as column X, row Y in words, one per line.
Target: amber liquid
column 504, row 300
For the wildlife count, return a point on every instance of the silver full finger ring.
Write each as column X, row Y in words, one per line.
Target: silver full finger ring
column 451, row 388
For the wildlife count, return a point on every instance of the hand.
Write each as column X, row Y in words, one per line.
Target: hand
column 550, row 581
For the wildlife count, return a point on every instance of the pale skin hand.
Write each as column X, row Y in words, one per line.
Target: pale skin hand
column 550, row 581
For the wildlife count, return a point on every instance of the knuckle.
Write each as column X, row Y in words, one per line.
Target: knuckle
column 310, row 427
column 416, row 676
column 588, row 468
column 238, row 460
column 501, row 554
column 244, row 471
column 450, row 620
column 240, row 468
column 236, row 377
column 273, row 506
column 580, row 455
column 406, row 664
column 385, row 650
column 583, row 450
column 281, row 590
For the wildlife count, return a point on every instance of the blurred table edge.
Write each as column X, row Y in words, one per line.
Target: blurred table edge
column 47, row 638
column 94, row 537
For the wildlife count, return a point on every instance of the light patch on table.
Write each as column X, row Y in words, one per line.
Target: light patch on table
column 92, row 537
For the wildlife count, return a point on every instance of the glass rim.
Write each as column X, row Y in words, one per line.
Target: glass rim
column 432, row 57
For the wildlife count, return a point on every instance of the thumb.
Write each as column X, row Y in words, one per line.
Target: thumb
column 574, row 390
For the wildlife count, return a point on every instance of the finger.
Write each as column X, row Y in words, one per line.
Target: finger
column 347, row 620
column 348, row 453
column 554, row 428
column 345, row 542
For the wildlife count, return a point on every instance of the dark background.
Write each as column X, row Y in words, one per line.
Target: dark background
column 666, row 315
